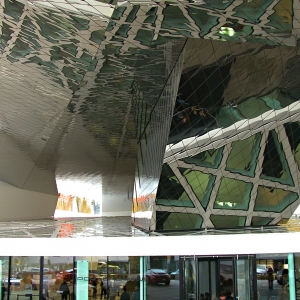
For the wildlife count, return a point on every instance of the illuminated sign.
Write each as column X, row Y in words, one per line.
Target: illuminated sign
column 82, row 279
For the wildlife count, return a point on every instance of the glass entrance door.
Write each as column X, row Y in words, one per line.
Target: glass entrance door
column 210, row 277
column 244, row 278
column 207, row 279
column 189, row 284
column 226, row 272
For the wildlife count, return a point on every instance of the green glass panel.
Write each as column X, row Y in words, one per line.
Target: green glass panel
column 132, row 14
column 218, row 4
column 13, row 9
column 144, row 36
column 200, row 183
column 228, row 221
column 273, row 199
column 233, row 194
column 80, row 23
column 175, row 19
column 253, row 107
column 275, row 166
column 210, row 158
column 151, row 20
column 251, row 11
column 179, row 221
column 243, row 156
column 97, row 36
column 282, row 18
column 228, row 116
column 123, row 30
column 28, row 33
column 293, row 134
column 21, row 49
column 260, row 221
column 203, row 20
column 272, row 102
column 7, row 32
column 118, row 13
column 170, row 191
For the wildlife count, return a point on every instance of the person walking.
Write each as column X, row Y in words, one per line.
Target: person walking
column 64, row 289
column 125, row 295
column 94, row 283
column 105, row 289
column 136, row 293
column 270, row 278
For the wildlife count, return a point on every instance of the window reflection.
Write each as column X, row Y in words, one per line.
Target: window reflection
column 25, row 276
column 4, row 275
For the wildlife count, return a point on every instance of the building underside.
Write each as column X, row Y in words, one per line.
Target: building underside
column 183, row 115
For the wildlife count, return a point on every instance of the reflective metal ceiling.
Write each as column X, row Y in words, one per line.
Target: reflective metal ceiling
column 115, row 227
column 68, row 69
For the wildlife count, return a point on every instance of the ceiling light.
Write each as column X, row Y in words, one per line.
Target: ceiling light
column 227, row 31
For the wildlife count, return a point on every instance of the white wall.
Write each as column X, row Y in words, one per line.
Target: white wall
column 20, row 204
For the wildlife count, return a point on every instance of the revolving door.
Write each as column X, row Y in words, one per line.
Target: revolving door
column 206, row 278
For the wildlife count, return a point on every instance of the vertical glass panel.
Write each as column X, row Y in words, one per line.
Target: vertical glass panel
column 292, row 285
column 243, row 156
column 179, row 221
column 243, row 280
column 214, row 289
column 94, row 277
column 227, row 221
column 162, row 277
column 189, row 284
column 4, row 273
column 260, row 221
column 272, row 273
column 200, row 183
column 142, row 275
column 123, row 271
column 204, row 287
column 275, row 166
column 293, row 134
column 273, row 199
column 58, row 277
column 210, row 158
column 170, row 192
column 297, row 274
column 233, row 194
column 26, row 273
column 226, row 276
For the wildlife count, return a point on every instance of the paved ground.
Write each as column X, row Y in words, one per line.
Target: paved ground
column 278, row 293
column 163, row 292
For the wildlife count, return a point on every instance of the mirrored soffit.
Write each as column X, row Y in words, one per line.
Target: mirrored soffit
column 67, row 69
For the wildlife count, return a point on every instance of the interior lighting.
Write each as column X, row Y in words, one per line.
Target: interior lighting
column 227, row 31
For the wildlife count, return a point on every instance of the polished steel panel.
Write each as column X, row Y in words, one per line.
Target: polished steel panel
column 83, row 84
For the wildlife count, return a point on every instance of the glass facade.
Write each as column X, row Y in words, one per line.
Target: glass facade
column 260, row 276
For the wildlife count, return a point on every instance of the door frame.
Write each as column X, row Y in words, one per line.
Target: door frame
column 252, row 272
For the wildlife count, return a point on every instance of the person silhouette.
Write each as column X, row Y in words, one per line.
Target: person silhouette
column 125, row 295
column 64, row 289
column 136, row 293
